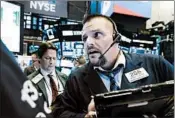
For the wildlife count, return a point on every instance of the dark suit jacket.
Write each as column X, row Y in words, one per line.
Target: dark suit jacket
column 40, row 84
column 86, row 82
column 12, row 83
column 29, row 70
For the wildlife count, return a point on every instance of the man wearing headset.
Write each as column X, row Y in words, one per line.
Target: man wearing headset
column 107, row 61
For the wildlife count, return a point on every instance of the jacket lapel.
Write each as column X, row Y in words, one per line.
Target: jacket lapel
column 131, row 64
column 42, row 87
column 33, row 68
column 93, row 81
column 60, row 77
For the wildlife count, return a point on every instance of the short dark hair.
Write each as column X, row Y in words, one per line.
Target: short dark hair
column 92, row 16
column 44, row 47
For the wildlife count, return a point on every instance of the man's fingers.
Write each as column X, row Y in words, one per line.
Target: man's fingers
column 92, row 114
column 91, row 106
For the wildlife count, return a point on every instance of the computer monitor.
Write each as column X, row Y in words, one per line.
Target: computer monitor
column 58, row 46
column 50, row 33
column 73, row 48
column 12, row 25
column 33, row 48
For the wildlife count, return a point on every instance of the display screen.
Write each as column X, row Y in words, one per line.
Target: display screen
column 71, row 33
column 58, row 46
column 78, row 46
column 33, row 48
column 50, row 34
column 73, row 48
column 66, row 63
column 10, row 25
column 67, row 33
column 68, row 53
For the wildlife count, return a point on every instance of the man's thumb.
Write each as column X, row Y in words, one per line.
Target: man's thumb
column 91, row 106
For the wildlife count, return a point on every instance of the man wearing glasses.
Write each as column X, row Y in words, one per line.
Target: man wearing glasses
column 48, row 81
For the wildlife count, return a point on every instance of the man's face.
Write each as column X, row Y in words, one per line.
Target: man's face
column 97, row 35
column 48, row 60
column 34, row 58
column 76, row 64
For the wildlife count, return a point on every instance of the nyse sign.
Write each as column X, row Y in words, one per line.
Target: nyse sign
column 57, row 8
column 42, row 5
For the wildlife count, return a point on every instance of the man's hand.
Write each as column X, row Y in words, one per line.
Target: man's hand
column 91, row 109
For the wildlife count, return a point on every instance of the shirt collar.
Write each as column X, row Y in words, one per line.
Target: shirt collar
column 45, row 73
column 121, row 60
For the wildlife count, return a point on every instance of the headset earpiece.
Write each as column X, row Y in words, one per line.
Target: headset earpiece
column 117, row 38
column 116, row 34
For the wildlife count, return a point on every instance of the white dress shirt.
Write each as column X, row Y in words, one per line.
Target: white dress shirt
column 118, row 77
column 48, row 86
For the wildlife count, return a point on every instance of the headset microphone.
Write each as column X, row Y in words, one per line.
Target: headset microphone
column 116, row 40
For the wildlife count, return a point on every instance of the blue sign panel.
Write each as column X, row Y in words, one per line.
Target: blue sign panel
column 95, row 7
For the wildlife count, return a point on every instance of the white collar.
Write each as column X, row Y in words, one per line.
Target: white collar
column 121, row 60
column 45, row 73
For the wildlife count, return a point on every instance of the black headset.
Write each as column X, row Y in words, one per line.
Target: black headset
column 116, row 34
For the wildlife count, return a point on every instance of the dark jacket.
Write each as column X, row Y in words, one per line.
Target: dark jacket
column 86, row 82
column 40, row 84
column 29, row 70
column 15, row 99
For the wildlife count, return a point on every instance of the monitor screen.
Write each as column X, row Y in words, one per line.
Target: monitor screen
column 58, row 46
column 33, row 48
column 66, row 63
column 67, row 33
column 68, row 53
column 78, row 45
column 73, row 48
column 11, row 24
column 50, row 34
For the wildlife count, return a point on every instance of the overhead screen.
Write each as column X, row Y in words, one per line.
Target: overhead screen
column 11, row 26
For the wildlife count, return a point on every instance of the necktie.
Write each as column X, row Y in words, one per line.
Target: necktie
column 53, row 88
column 111, row 75
column 113, row 85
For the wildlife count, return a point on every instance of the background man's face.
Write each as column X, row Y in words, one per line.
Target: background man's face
column 76, row 64
column 97, row 35
column 34, row 58
column 48, row 60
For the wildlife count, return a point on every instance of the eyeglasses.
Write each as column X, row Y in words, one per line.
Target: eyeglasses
column 49, row 58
